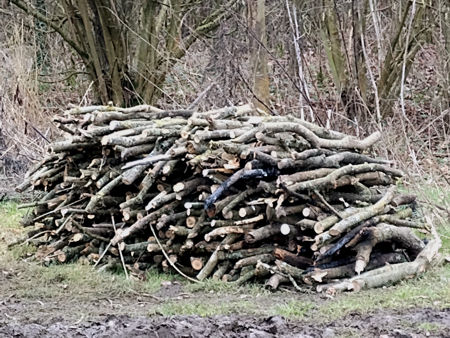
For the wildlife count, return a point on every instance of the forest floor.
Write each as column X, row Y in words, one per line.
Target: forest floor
column 74, row 300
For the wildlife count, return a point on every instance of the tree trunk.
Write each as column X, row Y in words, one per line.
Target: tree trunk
column 391, row 73
column 258, row 43
column 102, row 31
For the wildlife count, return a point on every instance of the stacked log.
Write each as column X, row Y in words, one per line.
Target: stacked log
column 230, row 194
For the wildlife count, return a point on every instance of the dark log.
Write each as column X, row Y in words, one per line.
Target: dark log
column 239, row 175
column 348, row 270
column 381, row 233
column 292, row 259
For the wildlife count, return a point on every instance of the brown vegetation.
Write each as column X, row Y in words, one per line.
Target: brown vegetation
column 354, row 65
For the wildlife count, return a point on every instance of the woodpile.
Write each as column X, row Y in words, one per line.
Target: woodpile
column 230, row 194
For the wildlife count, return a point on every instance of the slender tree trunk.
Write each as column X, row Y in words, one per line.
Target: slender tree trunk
column 260, row 73
column 359, row 10
column 391, row 72
column 92, row 51
column 333, row 49
column 446, row 57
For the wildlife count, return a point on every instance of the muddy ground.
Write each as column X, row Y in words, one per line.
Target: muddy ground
column 99, row 314
column 381, row 324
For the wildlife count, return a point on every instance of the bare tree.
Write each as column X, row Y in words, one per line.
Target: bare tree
column 445, row 23
column 126, row 46
column 344, row 48
column 407, row 38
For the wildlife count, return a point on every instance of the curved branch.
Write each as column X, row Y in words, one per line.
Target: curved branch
column 27, row 8
column 207, row 25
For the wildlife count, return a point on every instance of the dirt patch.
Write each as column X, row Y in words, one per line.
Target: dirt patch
column 170, row 289
column 413, row 323
column 410, row 323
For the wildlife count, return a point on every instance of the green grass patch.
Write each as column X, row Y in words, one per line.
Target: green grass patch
column 10, row 229
column 206, row 308
column 429, row 327
column 444, row 233
column 10, row 216
column 295, row 309
column 154, row 280
column 22, row 251
column 220, row 287
column 210, row 285
column 433, row 193
column 79, row 280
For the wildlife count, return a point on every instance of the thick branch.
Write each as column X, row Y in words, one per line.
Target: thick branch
column 27, row 8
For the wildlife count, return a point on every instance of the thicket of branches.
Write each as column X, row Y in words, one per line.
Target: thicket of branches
column 348, row 62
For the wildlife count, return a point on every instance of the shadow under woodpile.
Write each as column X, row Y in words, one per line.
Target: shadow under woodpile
column 12, row 165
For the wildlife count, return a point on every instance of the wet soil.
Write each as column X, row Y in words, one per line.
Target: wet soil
column 422, row 322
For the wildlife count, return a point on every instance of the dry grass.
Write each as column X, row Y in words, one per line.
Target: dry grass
column 30, row 94
column 23, row 114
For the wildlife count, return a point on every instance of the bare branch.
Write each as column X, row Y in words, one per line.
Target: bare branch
column 29, row 9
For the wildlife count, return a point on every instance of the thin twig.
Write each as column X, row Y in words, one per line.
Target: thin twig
column 200, row 96
column 328, row 205
column 120, row 250
column 168, row 259
column 61, row 227
column 105, row 251
column 103, row 254
column 296, row 37
column 296, row 286
column 58, row 209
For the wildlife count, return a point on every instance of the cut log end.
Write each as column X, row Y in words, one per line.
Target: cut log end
column 285, row 229
column 197, row 263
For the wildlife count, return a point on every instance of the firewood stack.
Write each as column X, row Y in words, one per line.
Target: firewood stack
column 230, row 194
